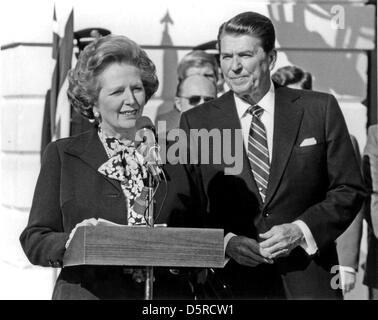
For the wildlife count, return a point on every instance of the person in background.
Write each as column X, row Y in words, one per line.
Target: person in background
column 198, row 62
column 84, row 37
column 97, row 174
column 190, row 92
column 293, row 77
column 370, row 169
column 193, row 91
column 348, row 244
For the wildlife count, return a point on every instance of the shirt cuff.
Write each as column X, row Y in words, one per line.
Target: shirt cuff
column 308, row 244
column 227, row 238
column 344, row 270
column 347, row 269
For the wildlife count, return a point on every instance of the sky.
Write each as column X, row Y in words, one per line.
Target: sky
column 30, row 21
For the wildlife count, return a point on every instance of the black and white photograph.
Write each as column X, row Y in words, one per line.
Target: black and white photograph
column 195, row 152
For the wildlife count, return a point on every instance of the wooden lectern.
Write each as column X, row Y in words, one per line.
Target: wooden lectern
column 141, row 246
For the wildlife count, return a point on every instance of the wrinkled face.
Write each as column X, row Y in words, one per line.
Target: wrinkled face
column 246, row 66
column 195, row 90
column 121, row 98
column 206, row 71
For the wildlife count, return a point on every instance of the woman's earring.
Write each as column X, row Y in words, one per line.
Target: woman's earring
column 97, row 117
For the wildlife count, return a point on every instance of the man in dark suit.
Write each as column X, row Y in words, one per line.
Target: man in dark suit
column 298, row 187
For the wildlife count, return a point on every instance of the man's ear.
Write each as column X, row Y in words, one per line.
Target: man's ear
column 178, row 104
column 272, row 59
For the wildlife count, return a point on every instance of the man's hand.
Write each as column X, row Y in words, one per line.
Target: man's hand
column 348, row 280
column 247, row 252
column 281, row 239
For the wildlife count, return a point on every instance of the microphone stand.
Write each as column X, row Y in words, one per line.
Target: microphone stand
column 149, row 285
column 153, row 172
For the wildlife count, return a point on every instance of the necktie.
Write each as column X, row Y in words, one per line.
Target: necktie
column 258, row 153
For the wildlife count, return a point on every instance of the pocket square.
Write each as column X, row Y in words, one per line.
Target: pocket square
column 308, row 142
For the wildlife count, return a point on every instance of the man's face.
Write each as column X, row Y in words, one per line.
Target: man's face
column 195, row 90
column 246, row 66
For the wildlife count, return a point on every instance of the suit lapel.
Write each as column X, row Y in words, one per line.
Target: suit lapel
column 287, row 119
column 227, row 118
column 89, row 149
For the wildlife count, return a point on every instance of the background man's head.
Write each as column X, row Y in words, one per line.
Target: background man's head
column 293, row 77
column 194, row 90
column 247, row 54
column 198, row 62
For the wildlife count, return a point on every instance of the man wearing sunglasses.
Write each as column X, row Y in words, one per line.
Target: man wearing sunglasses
column 193, row 91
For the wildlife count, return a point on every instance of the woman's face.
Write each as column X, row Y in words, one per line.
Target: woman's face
column 121, row 99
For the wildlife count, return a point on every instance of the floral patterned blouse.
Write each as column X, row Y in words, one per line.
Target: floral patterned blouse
column 125, row 164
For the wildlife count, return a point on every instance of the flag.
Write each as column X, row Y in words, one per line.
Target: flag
column 57, row 113
column 63, row 37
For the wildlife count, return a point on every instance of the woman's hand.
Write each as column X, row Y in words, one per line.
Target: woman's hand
column 86, row 222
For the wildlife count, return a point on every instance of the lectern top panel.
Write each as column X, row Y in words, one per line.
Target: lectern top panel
column 143, row 246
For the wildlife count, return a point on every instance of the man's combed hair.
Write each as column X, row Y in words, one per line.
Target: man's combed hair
column 83, row 89
column 253, row 24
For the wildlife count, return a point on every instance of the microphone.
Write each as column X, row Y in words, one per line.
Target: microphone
column 145, row 142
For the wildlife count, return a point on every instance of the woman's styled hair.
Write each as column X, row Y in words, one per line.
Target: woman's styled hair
column 253, row 24
column 83, row 88
column 293, row 75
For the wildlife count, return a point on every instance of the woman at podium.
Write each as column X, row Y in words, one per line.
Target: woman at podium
column 97, row 174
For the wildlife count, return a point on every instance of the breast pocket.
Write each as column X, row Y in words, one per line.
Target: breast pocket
column 315, row 148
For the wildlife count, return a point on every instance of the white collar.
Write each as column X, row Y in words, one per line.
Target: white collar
column 267, row 103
